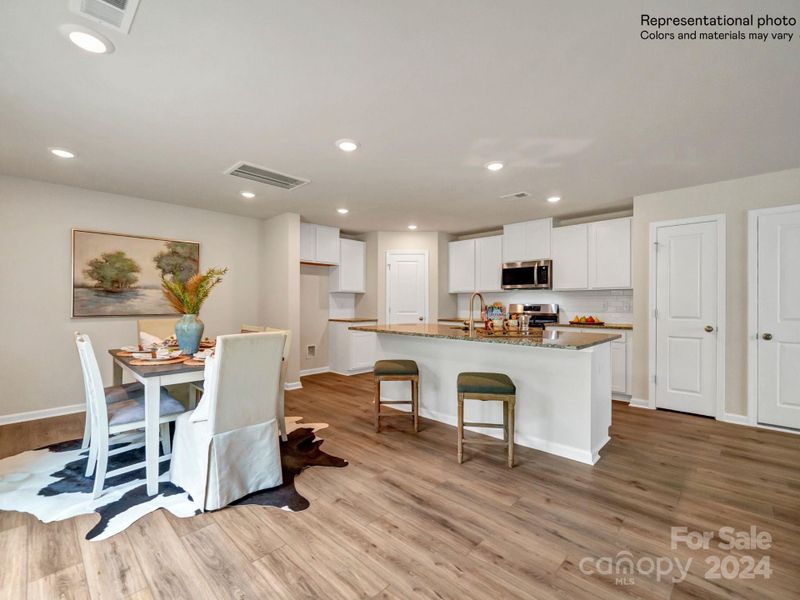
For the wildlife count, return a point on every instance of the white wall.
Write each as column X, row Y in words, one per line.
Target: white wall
column 280, row 282
column 315, row 311
column 38, row 360
column 733, row 199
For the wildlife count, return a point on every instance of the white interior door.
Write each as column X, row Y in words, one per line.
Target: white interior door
column 406, row 287
column 686, row 317
column 779, row 319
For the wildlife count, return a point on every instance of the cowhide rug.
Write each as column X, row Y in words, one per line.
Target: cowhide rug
column 49, row 483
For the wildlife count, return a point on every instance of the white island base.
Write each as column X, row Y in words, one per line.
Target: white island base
column 563, row 395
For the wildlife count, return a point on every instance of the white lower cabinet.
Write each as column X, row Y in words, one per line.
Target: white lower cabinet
column 351, row 352
column 621, row 358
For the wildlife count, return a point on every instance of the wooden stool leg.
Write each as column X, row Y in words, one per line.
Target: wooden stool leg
column 460, row 428
column 415, row 403
column 511, row 408
column 505, row 422
column 377, row 403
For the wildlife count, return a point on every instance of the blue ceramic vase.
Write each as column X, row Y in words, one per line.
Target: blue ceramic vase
column 189, row 331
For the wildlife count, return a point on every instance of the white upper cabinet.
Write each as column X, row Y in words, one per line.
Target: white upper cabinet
column 610, row 254
column 349, row 275
column 592, row 255
column 461, row 266
column 488, row 263
column 529, row 240
column 319, row 244
column 570, row 257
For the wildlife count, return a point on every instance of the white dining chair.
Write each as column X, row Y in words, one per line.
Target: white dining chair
column 228, row 446
column 149, row 330
column 197, row 388
column 123, row 415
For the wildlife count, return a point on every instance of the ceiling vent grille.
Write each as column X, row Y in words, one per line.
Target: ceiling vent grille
column 268, row 176
column 117, row 14
column 515, row 196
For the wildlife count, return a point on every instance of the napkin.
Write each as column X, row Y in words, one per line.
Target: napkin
column 148, row 340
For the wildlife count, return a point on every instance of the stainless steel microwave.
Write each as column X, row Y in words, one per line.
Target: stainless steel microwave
column 532, row 274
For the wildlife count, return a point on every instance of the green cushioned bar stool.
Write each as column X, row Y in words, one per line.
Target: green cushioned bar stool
column 396, row 370
column 491, row 387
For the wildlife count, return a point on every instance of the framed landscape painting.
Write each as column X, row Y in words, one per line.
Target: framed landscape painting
column 118, row 275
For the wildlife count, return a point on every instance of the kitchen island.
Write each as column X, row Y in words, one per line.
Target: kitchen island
column 563, row 381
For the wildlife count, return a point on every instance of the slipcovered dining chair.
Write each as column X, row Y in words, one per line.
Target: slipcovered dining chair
column 228, row 446
column 197, row 388
column 151, row 330
column 119, row 412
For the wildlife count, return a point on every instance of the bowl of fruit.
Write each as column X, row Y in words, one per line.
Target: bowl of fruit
column 584, row 320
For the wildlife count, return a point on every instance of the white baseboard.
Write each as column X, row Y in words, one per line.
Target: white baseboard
column 44, row 413
column 315, row 371
column 293, row 385
column 640, row 403
column 732, row 418
column 354, row 372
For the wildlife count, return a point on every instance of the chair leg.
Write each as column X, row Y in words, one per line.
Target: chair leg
column 100, row 472
column 377, row 403
column 511, row 409
column 91, row 462
column 460, row 428
column 166, row 446
column 87, row 432
column 415, row 403
column 505, row 422
column 282, row 415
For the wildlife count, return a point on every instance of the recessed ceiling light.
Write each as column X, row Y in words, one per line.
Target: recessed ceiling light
column 247, row 195
column 412, row 227
column 88, row 40
column 347, row 145
column 342, row 211
column 495, row 165
column 62, row 152
column 553, row 199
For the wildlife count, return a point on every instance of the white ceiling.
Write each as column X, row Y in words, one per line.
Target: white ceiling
column 565, row 93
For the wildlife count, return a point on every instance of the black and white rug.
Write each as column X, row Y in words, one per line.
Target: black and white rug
column 49, row 483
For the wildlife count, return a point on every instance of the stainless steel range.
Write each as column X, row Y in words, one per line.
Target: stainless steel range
column 539, row 315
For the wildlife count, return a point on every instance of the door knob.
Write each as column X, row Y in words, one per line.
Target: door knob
column 767, row 336
column 420, row 318
column 709, row 328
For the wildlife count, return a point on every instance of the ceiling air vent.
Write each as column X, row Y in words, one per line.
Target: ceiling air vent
column 515, row 196
column 264, row 175
column 117, row 14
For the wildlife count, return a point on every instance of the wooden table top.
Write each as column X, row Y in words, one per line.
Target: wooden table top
column 154, row 370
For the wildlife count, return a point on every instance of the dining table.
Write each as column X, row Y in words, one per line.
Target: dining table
column 152, row 377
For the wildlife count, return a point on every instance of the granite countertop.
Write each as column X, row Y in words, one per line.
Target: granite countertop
column 543, row 339
column 627, row 326
column 351, row 320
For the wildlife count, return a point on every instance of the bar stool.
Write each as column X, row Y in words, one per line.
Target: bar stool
column 487, row 386
column 396, row 370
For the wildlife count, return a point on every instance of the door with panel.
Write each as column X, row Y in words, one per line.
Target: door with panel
column 406, row 287
column 778, row 385
column 686, row 317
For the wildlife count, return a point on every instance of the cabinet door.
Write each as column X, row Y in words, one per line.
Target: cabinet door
column 327, row 244
column 349, row 275
column 308, row 242
column 537, row 239
column 363, row 345
column 488, row 263
column 514, row 242
column 570, row 258
column 610, row 254
column 619, row 367
column 461, row 266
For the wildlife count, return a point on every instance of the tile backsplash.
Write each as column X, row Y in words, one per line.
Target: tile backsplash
column 612, row 306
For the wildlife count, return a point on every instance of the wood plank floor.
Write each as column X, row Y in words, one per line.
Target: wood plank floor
column 403, row 520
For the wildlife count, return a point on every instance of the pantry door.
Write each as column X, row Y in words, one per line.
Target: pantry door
column 687, row 316
column 406, row 286
column 778, row 327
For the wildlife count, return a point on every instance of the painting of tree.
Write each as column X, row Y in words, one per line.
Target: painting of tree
column 113, row 271
column 180, row 259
